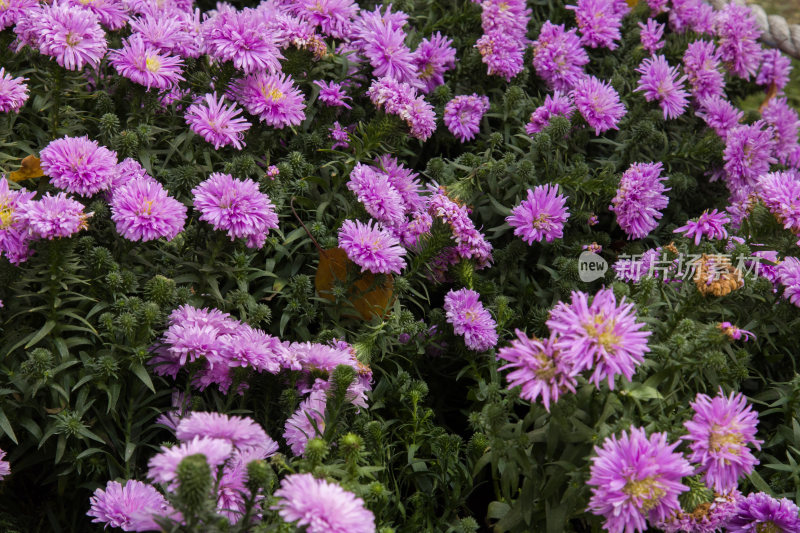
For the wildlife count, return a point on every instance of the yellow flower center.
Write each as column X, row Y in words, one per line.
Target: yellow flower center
column 6, row 216
column 503, row 7
column 426, row 73
column 86, row 2
column 768, row 527
column 546, row 370
column 541, row 221
column 72, row 39
column 152, row 64
column 602, row 331
column 3, row 4
column 147, row 207
column 727, row 438
column 647, row 490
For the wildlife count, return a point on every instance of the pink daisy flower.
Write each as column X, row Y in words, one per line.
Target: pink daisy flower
column 463, row 114
column 131, row 507
column 273, row 98
column 661, row 82
column 470, row 320
column 56, row 216
column 142, row 211
column 373, row 249
column 13, row 92
column 145, row 64
column 599, row 104
column 243, row 38
column 541, row 216
column 710, row 225
column 216, row 123
column 111, row 13
column 71, row 35
column 163, row 467
column 79, row 165
column 240, row 432
column 332, row 94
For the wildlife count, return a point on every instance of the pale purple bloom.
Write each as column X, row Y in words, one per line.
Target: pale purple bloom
column 322, row 507
column 538, row 368
column 738, row 31
column 507, row 16
column 11, row 11
column 662, row 82
column 603, row 337
column 719, row 114
column 371, row 248
column 14, row 234
column 541, row 216
column 783, row 118
column 470, row 243
column 13, row 92
column 634, row 478
column 599, row 104
column 557, row 104
column 145, row 64
column 761, row 513
column 701, row 62
column 240, row 432
column 251, row 347
column 389, row 56
column 374, row 190
column 788, row 274
column 273, row 98
column 599, row 23
column 657, row 6
column 131, row 507
column 401, row 99
column 128, row 169
column 273, row 172
column 775, row 69
column 307, row 422
column 163, row 466
column 640, row 199
column 462, row 115
column 142, row 211
column 501, row 53
column 696, row 15
column 433, row 57
column 243, row 38
column 748, row 154
column 216, row 123
column 71, row 35
column 558, row 56
column 651, row 35
column 638, row 266
column 780, row 192
column 334, row 17
column 111, row 13
column 719, row 433
column 404, row 181
column 709, row 225
column 332, row 94
column 236, row 206
column 79, row 165
column 54, row 216
column 470, row 320
column 340, row 135
column 175, row 33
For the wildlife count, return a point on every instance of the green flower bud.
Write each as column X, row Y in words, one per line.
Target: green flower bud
column 160, row 289
column 260, row 476
column 194, row 482
column 316, row 450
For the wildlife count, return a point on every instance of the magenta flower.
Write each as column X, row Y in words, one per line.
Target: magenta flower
column 397, row 98
column 558, row 56
column 5, row 466
column 701, row 63
column 738, row 31
column 780, row 192
column 433, row 57
column 307, row 422
column 13, row 92
column 470, row 243
column 748, row 154
column 163, row 466
column 538, row 368
column 719, row 114
column 11, row 11
column 340, row 135
column 243, row 38
column 111, row 13
column 236, row 206
column 695, row 15
column 760, row 512
column 775, row 69
column 635, row 478
column 541, row 216
column 638, row 266
column 404, row 181
column 131, row 507
column 651, row 36
column 708, row 518
column 557, row 104
column 239, row 432
column 507, row 16
column 661, row 82
column 78, row 165
column 501, row 53
column 251, row 347
column 462, row 115
column 639, row 199
column 143, row 211
column 719, row 433
column 322, row 507
column 783, row 118
column 373, row 189
column 389, row 56
column 333, row 17
column 145, row 64
column 709, row 225
column 14, row 234
column 54, row 216
column 273, row 98
column 217, row 124
column 373, row 249
column 332, row 94
column 599, row 23
column 599, row 104
column 602, row 336
column 788, row 274
column 470, row 320
column 174, row 32
column 71, row 35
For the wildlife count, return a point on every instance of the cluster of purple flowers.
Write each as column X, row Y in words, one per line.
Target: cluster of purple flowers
column 503, row 43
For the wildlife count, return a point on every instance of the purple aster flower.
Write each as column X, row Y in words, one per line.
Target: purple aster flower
column 557, row 104
column 321, row 507
column 128, row 169
column 506, row 16
column 462, row 115
column 470, row 320
column 71, row 35
column 701, row 63
column 216, row 123
column 780, row 192
column 333, row 17
column 397, row 98
column 250, row 347
column 695, row 15
column 143, row 211
column 240, row 432
column 433, row 57
column 78, row 165
column 651, row 36
column 173, row 33
column 404, row 181
column 373, row 249
column 332, row 94
column 601, row 336
column 389, row 56
column 273, row 172
column 760, row 512
column 662, row 82
column 788, row 274
column 380, row 199
column 13, row 92
column 470, row 243
column 54, row 216
column 340, row 135
column 5, row 466
column 748, row 154
column 558, row 56
column 111, row 13
column 243, row 38
column 501, row 53
column 775, row 69
column 11, row 11
column 538, row 368
column 131, row 507
column 163, row 466
column 273, row 98
column 657, row 6
column 599, row 104
column 635, row 478
column 236, row 206
column 639, row 199
column 708, row 517
column 781, row 116
column 738, row 31
column 709, row 225
column 719, row 114
column 541, row 216
column 307, row 422
column 719, row 433
column 145, row 64
column 14, row 234
column 599, row 23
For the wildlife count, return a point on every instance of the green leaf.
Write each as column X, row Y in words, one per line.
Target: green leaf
column 141, row 373
column 39, row 335
column 5, row 425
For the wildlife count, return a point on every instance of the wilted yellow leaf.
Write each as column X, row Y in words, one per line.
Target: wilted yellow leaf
column 333, row 267
column 29, row 168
